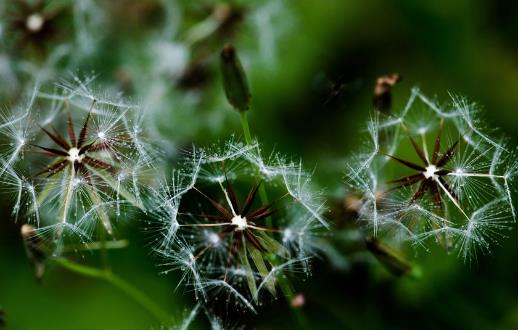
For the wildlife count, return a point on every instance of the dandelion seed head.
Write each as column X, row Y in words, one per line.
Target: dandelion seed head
column 75, row 174
column 429, row 172
column 240, row 222
column 212, row 205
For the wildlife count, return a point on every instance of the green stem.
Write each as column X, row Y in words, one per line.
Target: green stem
column 283, row 283
column 109, row 245
column 246, row 128
column 121, row 284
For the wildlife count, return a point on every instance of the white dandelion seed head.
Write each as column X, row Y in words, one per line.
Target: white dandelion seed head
column 76, row 173
column 214, row 204
column 432, row 172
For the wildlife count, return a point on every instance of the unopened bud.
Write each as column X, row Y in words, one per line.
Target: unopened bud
column 234, row 79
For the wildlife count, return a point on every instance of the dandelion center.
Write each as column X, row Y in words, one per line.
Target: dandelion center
column 34, row 22
column 430, row 171
column 213, row 238
column 101, row 135
column 239, row 222
column 287, row 235
column 74, row 156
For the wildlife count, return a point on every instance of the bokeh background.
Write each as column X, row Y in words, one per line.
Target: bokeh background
column 312, row 66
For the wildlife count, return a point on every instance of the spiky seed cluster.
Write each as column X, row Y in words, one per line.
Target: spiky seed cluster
column 71, row 158
column 430, row 172
column 233, row 222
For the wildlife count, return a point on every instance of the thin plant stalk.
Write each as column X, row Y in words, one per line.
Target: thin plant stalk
column 127, row 288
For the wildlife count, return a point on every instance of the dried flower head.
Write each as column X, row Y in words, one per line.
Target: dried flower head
column 430, row 172
column 233, row 222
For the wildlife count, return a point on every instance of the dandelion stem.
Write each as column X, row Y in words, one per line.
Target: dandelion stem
column 120, row 244
column 119, row 283
column 246, row 128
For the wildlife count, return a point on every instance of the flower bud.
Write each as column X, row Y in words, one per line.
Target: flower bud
column 234, row 79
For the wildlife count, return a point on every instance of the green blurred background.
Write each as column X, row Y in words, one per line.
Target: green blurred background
column 312, row 103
